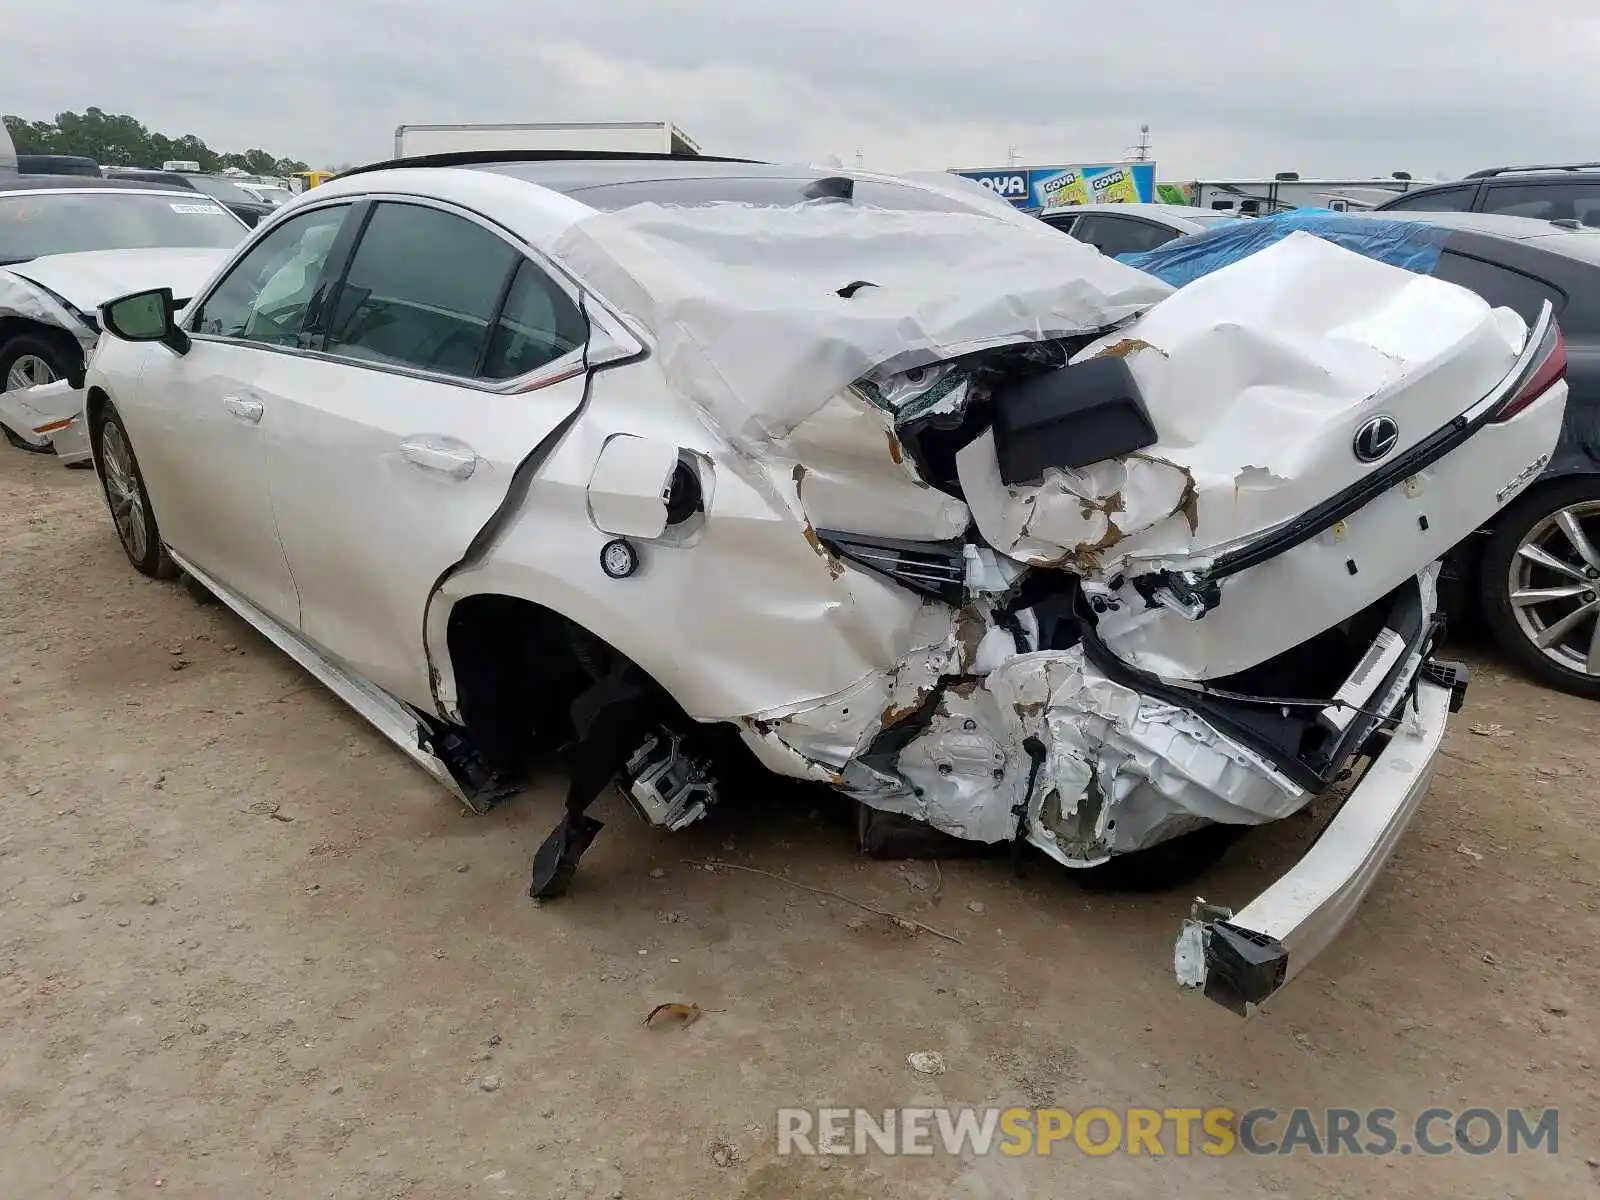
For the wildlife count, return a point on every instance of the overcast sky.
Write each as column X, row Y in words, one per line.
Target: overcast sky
column 1340, row 88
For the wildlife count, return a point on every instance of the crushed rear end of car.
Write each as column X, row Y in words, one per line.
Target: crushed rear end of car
column 1161, row 560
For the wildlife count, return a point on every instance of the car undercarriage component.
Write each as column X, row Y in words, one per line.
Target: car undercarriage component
column 668, row 788
column 618, row 738
column 609, row 719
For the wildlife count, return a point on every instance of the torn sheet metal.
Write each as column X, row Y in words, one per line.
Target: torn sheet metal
column 745, row 308
column 853, row 473
column 23, row 297
column 1123, row 770
column 89, row 278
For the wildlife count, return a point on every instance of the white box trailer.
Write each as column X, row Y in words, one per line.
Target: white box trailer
column 1260, row 197
column 635, row 137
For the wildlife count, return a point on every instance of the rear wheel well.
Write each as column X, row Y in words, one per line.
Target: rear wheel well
column 518, row 666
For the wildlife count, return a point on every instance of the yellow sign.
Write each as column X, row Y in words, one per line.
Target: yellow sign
column 1115, row 187
column 1066, row 188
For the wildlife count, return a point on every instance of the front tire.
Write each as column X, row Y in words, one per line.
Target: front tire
column 1540, row 583
column 32, row 358
column 127, row 498
column 1164, row 866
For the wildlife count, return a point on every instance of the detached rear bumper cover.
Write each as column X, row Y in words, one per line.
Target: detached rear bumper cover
column 1243, row 959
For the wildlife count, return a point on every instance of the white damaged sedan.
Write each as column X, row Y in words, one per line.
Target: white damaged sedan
column 66, row 245
column 674, row 462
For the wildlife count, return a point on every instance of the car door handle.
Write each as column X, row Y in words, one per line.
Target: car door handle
column 456, row 461
column 245, row 407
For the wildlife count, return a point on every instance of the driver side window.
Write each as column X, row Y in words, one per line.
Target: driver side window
column 265, row 297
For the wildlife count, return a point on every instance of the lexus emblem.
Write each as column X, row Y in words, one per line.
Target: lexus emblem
column 1376, row 439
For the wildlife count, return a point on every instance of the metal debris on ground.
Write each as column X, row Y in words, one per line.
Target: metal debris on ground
column 926, row 1062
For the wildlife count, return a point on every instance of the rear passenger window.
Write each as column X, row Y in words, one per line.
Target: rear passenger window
column 421, row 291
column 1456, row 199
column 1113, row 235
column 539, row 324
column 1500, row 286
column 1546, row 201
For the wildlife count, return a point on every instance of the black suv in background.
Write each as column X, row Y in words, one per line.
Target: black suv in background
column 1533, row 573
column 1570, row 194
column 57, row 164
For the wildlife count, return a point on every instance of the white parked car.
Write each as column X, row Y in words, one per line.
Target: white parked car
column 672, row 461
column 1115, row 229
column 269, row 193
column 67, row 245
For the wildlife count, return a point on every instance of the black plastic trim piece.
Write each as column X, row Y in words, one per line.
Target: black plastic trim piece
column 477, row 158
column 1448, row 673
column 1243, row 967
column 1070, row 417
column 313, row 334
column 937, row 569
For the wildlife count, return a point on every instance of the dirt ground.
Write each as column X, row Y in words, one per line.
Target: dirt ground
column 247, row 949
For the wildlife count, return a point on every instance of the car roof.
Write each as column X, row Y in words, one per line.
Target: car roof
column 617, row 180
column 1196, row 217
column 1513, row 176
column 1495, row 224
column 1582, row 243
column 1137, row 210
column 141, row 173
column 74, row 183
column 1546, row 173
column 576, row 175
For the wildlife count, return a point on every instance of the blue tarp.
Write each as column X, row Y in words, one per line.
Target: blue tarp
column 1414, row 245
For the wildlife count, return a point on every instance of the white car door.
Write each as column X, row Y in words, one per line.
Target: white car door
column 446, row 358
column 202, row 418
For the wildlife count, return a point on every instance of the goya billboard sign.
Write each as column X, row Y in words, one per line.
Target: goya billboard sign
column 1056, row 187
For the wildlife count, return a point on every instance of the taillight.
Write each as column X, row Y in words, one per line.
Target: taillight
column 1552, row 369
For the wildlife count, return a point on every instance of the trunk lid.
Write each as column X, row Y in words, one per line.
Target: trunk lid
column 1320, row 432
column 863, row 360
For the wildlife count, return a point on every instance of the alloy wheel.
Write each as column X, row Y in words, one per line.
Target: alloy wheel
column 28, row 371
column 123, row 492
column 1555, row 587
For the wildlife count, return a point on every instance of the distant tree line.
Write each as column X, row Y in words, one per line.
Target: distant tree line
column 116, row 140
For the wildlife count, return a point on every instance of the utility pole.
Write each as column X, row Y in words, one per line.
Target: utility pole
column 1141, row 152
column 861, row 158
column 1011, row 156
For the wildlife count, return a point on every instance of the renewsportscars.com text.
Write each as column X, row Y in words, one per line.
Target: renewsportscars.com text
column 1213, row 1131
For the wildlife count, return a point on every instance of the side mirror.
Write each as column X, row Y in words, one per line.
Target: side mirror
column 145, row 317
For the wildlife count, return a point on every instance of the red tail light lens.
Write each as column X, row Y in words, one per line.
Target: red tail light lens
column 1552, row 369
